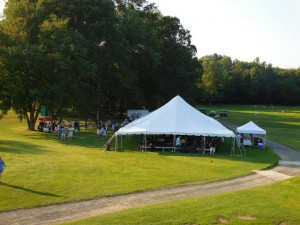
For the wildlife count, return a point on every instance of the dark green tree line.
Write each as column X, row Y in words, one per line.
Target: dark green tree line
column 254, row 82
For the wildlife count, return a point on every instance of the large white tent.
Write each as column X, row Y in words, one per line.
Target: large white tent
column 176, row 117
column 251, row 128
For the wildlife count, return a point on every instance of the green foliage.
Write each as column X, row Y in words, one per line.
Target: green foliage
column 109, row 54
column 254, row 82
column 31, row 41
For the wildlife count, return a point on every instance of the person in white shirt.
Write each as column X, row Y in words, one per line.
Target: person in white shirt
column 178, row 143
column 70, row 133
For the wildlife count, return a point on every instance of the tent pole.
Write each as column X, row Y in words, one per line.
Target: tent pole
column 108, row 142
column 116, row 143
column 174, row 144
column 233, row 146
column 174, row 141
column 145, row 142
column 204, row 146
column 121, row 142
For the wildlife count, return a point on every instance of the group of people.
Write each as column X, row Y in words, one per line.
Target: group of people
column 212, row 144
column 68, row 129
column 102, row 132
column 181, row 143
column 63, row 130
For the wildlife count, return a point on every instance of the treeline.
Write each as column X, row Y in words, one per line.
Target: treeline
column 233, row 81
column 109, row 55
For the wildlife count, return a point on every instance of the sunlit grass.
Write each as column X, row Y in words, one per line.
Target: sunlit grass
column 43, row 170
column 281, row 122
column 272, row 204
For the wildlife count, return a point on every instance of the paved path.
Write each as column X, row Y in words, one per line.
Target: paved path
column 84, row 209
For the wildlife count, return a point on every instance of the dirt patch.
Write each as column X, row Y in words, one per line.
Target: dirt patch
column 246, row 217
column 222, row 220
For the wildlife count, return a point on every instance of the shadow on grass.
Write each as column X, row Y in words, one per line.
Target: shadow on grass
column 83, row 139
column 32, row 191
column 253, row 155
column 20, row 147
column 130, row 144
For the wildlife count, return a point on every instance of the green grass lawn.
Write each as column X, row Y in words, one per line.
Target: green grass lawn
column 273, row 204
column 44, row 170
column 281, row 123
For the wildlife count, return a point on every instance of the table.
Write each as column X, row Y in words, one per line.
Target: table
column 247, row 142
column 166, row 147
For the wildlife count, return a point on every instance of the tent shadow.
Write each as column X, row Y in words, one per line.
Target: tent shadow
column 253, row 155
column 32, row 191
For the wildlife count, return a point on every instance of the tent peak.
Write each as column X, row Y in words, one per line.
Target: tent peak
column 176, row 117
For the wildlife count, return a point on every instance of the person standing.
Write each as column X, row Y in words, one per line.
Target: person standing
column 63, row 133
column 70, row 133
column 2, row 165
column 178, row 143
column 104, row 132
column 76, row 125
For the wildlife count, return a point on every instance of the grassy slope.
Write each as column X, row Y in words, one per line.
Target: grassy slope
column 254, row 206
column 281, row 123
column 272, row 204
column 43, row 170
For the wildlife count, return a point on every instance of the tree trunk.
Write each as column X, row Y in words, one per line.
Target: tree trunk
column 31, row 119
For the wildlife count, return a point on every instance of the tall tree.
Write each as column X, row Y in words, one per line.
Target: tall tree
column 32, row 39
column 216, row 69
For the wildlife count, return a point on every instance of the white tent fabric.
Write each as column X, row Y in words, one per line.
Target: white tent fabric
column 250, row 128
column 176, row 117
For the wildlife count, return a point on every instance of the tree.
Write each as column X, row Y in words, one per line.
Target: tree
column 31, row 40
column 176, row 69
column 216, row 69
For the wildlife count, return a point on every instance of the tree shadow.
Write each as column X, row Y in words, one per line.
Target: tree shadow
column 20, row 147
column 82, row 139
column 32, row 191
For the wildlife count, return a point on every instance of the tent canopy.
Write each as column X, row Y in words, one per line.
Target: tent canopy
column 176, row 117
column 250, row 128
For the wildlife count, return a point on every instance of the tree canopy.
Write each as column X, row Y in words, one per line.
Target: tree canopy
column 234, row 81
column 92, row 55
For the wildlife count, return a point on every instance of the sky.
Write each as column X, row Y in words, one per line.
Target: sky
column 241, row 29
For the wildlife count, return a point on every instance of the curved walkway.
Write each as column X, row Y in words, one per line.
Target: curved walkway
column 77, row 210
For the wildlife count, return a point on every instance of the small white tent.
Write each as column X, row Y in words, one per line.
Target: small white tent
column 251, row 128
column 176, row 117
